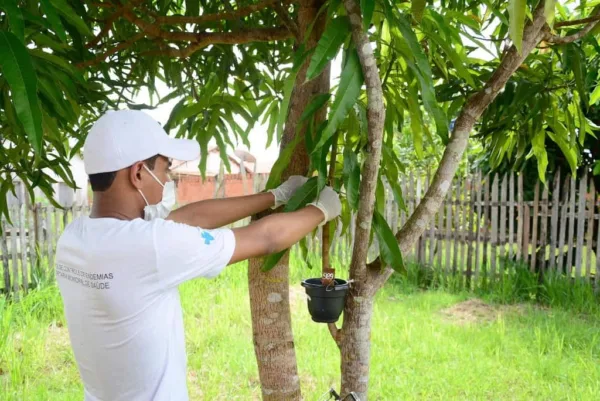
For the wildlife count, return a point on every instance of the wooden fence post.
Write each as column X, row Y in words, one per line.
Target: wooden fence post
column 580, row 224
column 5, row 255
column 554, row 220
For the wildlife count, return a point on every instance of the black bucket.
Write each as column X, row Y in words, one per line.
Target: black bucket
column 325, row 304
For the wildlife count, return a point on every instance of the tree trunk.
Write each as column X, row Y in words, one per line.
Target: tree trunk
column 356, row 331
column 269, row 292
column 355, row 343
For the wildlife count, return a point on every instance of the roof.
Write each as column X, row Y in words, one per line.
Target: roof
column 213, row 163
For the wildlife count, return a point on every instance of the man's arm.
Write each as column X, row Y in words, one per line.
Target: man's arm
column 278, row 232
column 215, row 213
column 274, row 233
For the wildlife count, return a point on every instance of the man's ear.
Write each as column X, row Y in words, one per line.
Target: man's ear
column 135, row 174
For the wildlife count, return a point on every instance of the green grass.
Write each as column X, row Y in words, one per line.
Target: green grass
column 421, row 350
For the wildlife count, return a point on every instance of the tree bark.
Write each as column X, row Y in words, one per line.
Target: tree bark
column 269, row 292
column 356, row 329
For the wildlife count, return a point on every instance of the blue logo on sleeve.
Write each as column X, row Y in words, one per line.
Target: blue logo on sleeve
column 207, row 238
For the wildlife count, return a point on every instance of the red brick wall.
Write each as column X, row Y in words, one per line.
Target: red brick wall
column 191, row 188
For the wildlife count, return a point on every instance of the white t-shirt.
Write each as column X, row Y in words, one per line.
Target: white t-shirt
column 118, row 281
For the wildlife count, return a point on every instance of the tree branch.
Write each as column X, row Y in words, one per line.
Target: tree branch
column 534, row 32
column 287, row 21
column 231, row 15
column 225, row 38
column 577, row 21
column 326, row 246
column 375, row 117
column 198, row 40
column 594, row 20
column 336, row 333
column 106, row 28
column 155, row 30
column 121, row 46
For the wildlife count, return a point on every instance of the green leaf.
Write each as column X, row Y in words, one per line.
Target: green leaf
column 578, row 66
column 351, row 177
column 282, row 162
column 516, row 12
column 367, row 7
column 335, row 34
column 288, row 87
column 391, row 163
column 380, row 196
column 192, row 8
column 459, row 61
column 301, row 198
column 5, row 186
column 17, row 69
column 304, row 252
column 316, row 154
column 300, row 57
column 273, row 114
column 417, row 8
column 322, row 163
column 416, row 121
column 75, row 75
column 309, row 140
column 388, row 245
column 345, row 97
column 550, row 11
column 539, row 150
column 316, row 103
column 595, row 96
column 332, row 7
column 16, row 22
column 272, row 260
column 495, row 11
column 174, row 118
column 71, row 16
column 421, row 68
column 203, row 140
column 305, row 194
column 54, row 20
column 222, row 150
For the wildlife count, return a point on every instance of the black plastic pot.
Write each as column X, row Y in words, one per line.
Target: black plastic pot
column 325, row 304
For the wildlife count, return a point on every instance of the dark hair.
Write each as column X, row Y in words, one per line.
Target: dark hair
column 101, row 182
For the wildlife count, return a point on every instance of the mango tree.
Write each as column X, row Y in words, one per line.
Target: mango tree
column 418, row 64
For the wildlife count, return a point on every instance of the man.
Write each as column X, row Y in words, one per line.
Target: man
column 119, row 269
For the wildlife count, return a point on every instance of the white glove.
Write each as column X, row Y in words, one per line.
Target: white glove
column 285, row 191
column 329, row 203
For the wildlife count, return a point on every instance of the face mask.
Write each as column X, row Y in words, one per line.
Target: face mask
column 162, row 209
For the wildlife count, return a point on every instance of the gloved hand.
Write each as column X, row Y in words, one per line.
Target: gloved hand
column 329, row 203
column 285, row 191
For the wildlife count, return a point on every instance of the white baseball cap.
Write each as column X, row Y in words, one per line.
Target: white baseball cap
column 120, row 139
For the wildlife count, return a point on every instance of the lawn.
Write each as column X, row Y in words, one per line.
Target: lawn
column 427, row 345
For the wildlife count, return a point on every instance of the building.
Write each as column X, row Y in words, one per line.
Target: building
column 247, row 176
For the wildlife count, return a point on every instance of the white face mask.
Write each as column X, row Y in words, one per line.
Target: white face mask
column 162, row 209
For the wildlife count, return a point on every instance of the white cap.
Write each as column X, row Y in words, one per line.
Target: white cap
column 120, row 139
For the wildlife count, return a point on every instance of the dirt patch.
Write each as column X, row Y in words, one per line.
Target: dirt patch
column 58, row 337
column 477, row 311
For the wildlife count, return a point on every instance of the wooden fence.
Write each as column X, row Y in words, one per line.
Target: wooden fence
column 484, row 223
column 28, row 245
